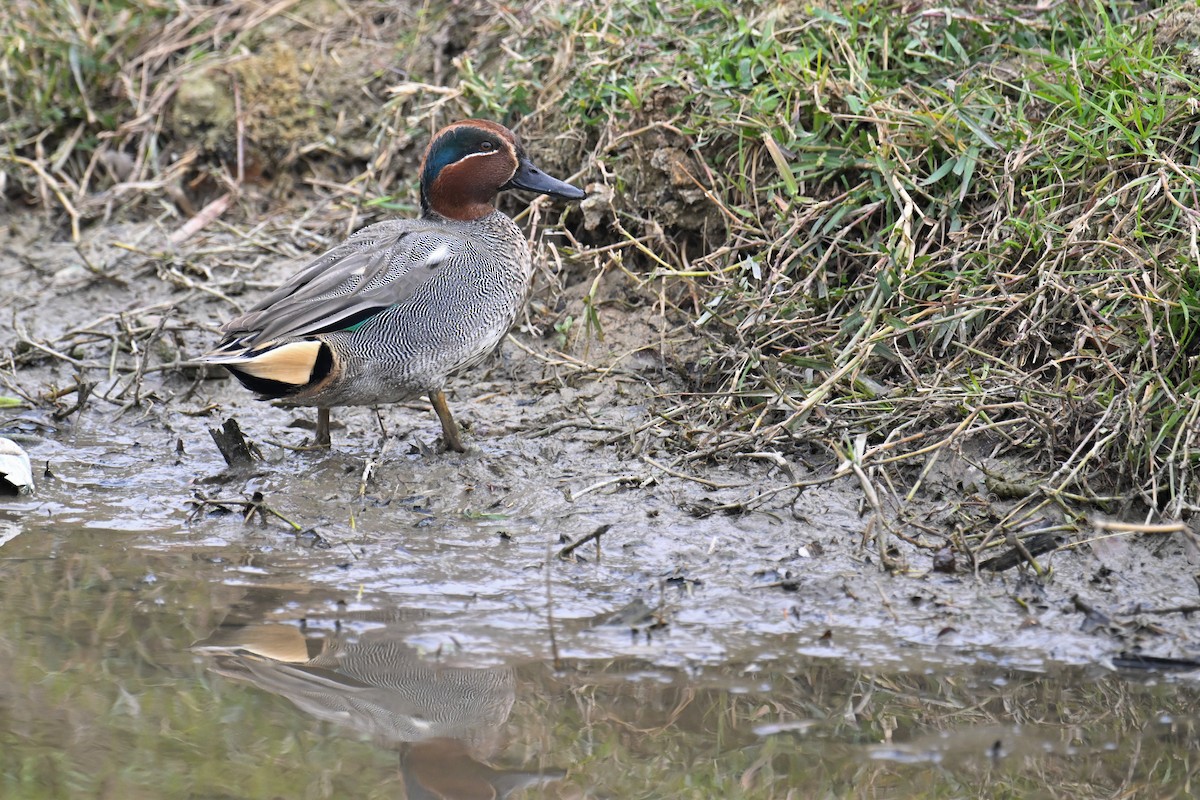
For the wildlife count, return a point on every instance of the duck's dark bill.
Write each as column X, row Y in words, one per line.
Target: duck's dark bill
column 530, row 177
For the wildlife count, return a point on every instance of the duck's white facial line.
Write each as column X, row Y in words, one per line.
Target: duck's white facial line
column 477, row 155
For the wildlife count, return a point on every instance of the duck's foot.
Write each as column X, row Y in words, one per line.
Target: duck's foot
column 450, row 434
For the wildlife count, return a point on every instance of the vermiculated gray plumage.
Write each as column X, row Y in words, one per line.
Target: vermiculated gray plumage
column 440, row 315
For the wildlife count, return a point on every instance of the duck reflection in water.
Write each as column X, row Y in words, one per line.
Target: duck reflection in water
column 447, row 720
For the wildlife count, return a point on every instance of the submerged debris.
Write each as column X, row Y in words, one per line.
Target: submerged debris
column 636, row 615
column 593, row 536
column 1138, row 661
column 16, row 475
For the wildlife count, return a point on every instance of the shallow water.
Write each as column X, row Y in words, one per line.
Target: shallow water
column 415, row 643
column 132, row 672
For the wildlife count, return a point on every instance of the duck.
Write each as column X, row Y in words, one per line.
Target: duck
column 391, row 312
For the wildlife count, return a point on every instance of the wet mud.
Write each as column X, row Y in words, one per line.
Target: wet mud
column 566, row 539
column 561, row 446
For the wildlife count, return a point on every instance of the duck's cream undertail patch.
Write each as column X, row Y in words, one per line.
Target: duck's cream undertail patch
column 290, row 363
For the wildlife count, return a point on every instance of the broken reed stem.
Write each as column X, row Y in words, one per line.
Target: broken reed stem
column 1138, row 527
column 144, row 360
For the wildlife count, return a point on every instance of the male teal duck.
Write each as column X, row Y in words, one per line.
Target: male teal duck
column 391, row 312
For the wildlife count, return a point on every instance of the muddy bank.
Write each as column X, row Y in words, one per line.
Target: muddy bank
column 723, row 559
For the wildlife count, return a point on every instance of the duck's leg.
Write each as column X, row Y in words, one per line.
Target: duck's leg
column 449, row 429
column 322, row 427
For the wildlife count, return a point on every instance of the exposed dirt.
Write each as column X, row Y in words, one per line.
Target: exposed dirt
column 563, row 442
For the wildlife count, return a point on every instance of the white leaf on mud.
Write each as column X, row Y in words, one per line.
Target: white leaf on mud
column 16, row 476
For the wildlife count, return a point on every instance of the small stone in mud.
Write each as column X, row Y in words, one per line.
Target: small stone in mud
column 677, row 578
column 943, row 561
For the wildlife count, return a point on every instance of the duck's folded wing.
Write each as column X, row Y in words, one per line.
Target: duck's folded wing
column 379, row 267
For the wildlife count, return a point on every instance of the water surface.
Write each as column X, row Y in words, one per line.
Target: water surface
column 136, row 665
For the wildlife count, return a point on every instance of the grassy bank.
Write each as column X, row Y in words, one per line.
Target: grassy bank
column 906, row 235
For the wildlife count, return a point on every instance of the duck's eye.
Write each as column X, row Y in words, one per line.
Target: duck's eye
column 487, row 147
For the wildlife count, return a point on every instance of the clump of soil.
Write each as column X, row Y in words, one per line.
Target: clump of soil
column 283, row 104
column 1180, row 31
